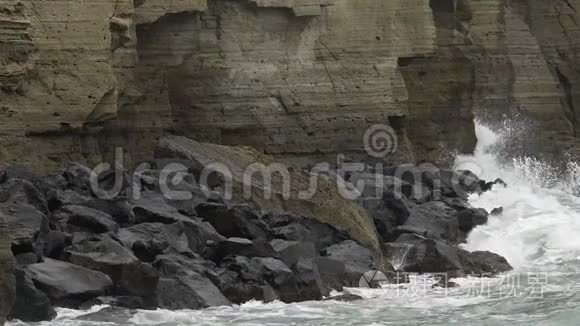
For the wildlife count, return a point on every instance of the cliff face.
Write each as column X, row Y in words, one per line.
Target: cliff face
column 7, row 287
column 298, row 79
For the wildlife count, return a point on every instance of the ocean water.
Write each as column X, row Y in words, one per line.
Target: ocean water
column 538, row 232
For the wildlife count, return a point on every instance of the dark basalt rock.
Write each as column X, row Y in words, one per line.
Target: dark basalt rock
column 489, row 185
column 67, row 284
column 118, row 301
column 118, row 208
column 290, row 252
column 139, row 280
column 23, row 208
column 439, row 182
column 302, row 229
column 387, row 212
column 77, row 178
column 433, row 256
column 239, row 221
column 201, row 236
column 437, row 220
column 332, row 272
column 29, row 228
column 444, row 283
column 310, row 283
column 344, row 298
column 265, row 279
column 184, row 192
column 470, row 218
column 66, row 197
column 148, row 240
column 130, row 276
column 31, row 304
column 101, row 253
column 83, row 219
column 152, row 208
column 18, row 191
column 113, row 314
column 57, row 241
column 27, row 258
column 181, row 287
column 243, row 247
column 157, row 251
column 484, row 263
column 356, row 258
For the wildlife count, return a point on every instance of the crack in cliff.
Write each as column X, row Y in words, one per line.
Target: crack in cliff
column 570, row 5
column 565, row 82
column 564, row 29
column 326, row 67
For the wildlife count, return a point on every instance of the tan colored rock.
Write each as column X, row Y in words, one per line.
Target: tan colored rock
column 148, row 11
column 297, row 79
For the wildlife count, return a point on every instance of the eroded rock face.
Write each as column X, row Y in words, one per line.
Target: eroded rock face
column 305, row 90
column 301, row 80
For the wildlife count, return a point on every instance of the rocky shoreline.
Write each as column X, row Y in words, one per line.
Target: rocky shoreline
column 142, row 249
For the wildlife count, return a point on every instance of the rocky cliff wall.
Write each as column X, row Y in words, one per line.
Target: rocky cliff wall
column 300, row 80
column 7, row 286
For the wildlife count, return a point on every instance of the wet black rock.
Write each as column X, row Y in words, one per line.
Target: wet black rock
column 31, row 304
column 152, row 208
column 310, row 283
column 470, row 218
column 148, row 240
column 262, row 278
column 485, row 263
column 388, row 212
column 435, row 220
column 345, row 298
column 114, row 315
column 24, row 209
column 239, row 221
column 445, row 283
column 152, row 250
column 290, row 252
column 489, row 185
column 434, row 256
column 296, row 228
column 27, row 258
column 56, row 242
column 130, row 276
column 243, row 247
column 181, row 287
column 356, row 258
column 83, row 219
column 67, row 284
column 117, row 301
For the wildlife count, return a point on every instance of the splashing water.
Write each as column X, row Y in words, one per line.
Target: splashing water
column 399, row 259
column 540, row 220
column 537, row 232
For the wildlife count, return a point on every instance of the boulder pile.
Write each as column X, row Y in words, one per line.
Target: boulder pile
column 143, row 248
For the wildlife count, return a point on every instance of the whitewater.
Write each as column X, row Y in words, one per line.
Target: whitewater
column 538, row 232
